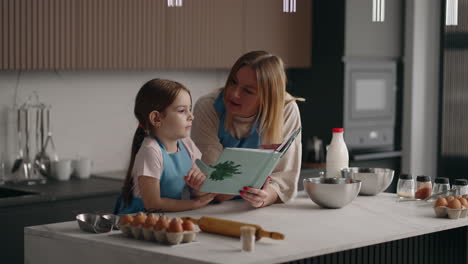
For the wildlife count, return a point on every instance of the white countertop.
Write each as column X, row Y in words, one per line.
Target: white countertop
column 310, row 231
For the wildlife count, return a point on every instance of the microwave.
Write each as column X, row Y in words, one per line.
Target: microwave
column 369, row 104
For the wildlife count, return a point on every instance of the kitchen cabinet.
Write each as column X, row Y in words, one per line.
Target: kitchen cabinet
column 287, row 35
column 121, row 34
column 147, row 34
column 204, row 34
column 345, row 36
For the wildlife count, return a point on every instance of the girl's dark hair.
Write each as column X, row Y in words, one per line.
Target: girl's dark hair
column 155, row 95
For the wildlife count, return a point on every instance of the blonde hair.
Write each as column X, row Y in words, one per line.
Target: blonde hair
column 271, row 82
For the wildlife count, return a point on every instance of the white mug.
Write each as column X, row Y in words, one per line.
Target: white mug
column 82, row 168
column 61, row 169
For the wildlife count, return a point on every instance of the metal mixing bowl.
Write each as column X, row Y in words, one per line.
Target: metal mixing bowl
column 93, row 223
column 374, row 180
column 332, row 192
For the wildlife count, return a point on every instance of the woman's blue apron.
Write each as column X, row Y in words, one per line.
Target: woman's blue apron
column 175, row 167
column 228, row 141
column 225, row 138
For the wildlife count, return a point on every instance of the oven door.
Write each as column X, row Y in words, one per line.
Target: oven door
column 370, row 101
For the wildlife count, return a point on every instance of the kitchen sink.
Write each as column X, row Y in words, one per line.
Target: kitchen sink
column 7, row 192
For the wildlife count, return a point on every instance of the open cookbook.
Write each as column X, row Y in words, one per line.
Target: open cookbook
column 239, row 167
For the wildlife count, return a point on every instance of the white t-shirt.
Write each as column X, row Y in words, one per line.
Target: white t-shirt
column 149, row 160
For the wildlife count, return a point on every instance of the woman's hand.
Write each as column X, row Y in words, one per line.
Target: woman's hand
column 271, row 146
column 257, row 197
column 195, row 178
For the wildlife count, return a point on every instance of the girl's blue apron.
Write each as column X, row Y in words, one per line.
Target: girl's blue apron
column 225, row 138
column 175, row 167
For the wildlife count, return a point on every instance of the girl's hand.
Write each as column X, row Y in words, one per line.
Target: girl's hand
column 203, row 200
column 256, row 197
column 195, row 178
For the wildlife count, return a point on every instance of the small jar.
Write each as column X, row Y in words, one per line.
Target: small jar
column 461, row 186
column 405, row 186
column 441, row 184
column 247, row 237
column 423, row 187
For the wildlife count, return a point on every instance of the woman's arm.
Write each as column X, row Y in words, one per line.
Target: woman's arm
column 282, row 184
column 150, row 193
column 286, row 173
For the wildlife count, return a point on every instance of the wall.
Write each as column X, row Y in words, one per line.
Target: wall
column 420, row 103
column 92, row 112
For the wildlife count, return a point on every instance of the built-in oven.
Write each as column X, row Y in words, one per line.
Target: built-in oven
column 369, row 104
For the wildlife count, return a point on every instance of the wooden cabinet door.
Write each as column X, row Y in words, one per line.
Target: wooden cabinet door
column 122, row 34
column 204, row 34
column 287, row 35
column 37, row 34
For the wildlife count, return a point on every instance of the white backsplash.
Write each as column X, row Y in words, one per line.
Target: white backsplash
column 92, row 111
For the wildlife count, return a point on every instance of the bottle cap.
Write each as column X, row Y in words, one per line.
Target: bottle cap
column 423, row 178
column 338, row 130
column 441, row 180
column 406, row 177
column 460, row 182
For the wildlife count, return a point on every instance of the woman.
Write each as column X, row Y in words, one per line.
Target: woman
column 253, row 110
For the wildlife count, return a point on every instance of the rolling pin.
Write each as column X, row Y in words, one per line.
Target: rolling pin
column 230, row 228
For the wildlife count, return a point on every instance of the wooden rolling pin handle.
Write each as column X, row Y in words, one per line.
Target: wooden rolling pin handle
column 273, row 235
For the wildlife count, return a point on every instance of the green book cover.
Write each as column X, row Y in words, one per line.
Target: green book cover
column 239, row 167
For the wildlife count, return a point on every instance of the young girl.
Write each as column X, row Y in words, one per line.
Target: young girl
column 163, row 155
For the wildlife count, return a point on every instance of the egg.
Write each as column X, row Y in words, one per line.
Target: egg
column 441, row 202
column 161, row 224
column 449, row 198
column 151, row 220
column 455, row 204
column 457, row 197
column 175, row 226
column 465, row 196
column 126, row 219
column 187, row 225
column 139, row 219
column 464, row 202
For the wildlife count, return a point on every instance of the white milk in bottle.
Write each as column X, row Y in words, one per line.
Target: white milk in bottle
column 337, row 154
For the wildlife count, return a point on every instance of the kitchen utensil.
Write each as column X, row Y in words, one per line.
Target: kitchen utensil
column 27, row 166
column 374, row 180
column 93, row 223
column 230, row 228
column 114, row 219
column 434, row 196
column 49, row 141
column 19, row 159
column 332, row 192
column 41, row 160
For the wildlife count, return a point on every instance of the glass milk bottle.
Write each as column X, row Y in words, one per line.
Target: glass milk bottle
column 337, row 154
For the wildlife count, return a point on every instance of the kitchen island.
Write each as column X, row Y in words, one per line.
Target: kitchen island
column 52, row 202
column 368, row 222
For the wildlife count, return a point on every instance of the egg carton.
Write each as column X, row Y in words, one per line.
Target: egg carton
column 444, row 211
column 161, row 236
